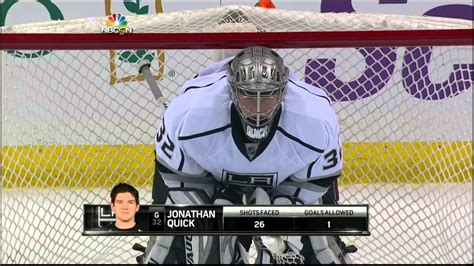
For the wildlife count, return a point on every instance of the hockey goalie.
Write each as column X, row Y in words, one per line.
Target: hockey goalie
column 244, row 117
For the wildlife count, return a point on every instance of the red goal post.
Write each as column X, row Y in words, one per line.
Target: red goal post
column 236, row 40
column 273, row 28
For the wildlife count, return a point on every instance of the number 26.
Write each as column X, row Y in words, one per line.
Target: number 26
column 259, row 224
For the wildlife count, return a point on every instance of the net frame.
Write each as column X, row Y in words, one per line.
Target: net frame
column 236, row 40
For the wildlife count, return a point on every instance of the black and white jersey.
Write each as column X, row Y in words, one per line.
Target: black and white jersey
column 201, row 138
column 111, row 227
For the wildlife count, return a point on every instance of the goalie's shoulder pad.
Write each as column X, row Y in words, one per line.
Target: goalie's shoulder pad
column 308, row 134
column 202, row 108
column 310, row 119
column 310, row 101
column 203, row 105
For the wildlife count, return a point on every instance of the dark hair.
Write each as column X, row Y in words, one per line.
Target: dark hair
column 122, row 188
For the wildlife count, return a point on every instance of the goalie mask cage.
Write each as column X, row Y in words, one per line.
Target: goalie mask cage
column 77, row 118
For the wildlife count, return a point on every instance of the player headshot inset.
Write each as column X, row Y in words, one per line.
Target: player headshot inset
column 124, row 202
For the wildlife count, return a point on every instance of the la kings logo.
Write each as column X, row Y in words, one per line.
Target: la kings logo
column 264, row 180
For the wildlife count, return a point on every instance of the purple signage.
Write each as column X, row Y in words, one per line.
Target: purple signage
column 380, row 64
column 417, row 82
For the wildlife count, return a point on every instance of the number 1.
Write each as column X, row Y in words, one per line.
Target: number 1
column 329, row 224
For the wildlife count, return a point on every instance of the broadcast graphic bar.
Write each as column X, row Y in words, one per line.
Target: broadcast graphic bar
column 235, row 220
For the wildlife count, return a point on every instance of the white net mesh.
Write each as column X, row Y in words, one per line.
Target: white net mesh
column 271, row 20
column 74, row 123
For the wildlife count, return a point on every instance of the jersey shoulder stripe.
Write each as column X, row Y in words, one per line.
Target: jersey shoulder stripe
column 306, row 89
column 205, row 133
column 202, row 86
column 288, row 135
column 324, row 182
column 181, row 162
column 308, row 173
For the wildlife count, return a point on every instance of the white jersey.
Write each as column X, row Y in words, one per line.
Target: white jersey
column 201, row 137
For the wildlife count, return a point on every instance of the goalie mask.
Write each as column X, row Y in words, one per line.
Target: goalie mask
column 257, row 77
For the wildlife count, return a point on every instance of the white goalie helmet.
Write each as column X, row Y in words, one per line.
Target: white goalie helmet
column 258, row 78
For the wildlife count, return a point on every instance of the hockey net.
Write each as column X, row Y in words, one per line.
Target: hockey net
column 77, row 118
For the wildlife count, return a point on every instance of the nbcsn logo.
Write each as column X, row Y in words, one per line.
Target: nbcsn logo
column 117, row 24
